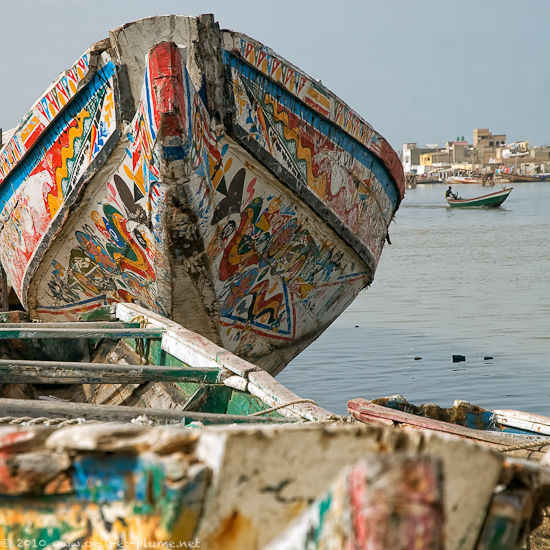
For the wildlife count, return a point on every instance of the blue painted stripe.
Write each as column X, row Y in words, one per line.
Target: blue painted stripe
column 338, row 136
column 148, row 103
column 22, row 171
column 189, row 97
column 102, row 300
column 173, row 152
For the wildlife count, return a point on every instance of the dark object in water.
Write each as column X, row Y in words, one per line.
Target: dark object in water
column 487, row 358
column 458, row 358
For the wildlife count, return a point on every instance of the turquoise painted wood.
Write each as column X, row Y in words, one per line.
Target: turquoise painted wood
column 82, row 331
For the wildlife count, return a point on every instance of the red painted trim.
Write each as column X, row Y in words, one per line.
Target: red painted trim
column 392, row 163
column 167, row 80
column 369, row 413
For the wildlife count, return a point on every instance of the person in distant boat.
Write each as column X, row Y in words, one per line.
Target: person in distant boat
column 449, row 193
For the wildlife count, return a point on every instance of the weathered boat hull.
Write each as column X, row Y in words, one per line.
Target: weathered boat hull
column 519, row 433
column 515, row 178
column 179, row 441
column 493, row 200
column 243, row 200
column 128, row 485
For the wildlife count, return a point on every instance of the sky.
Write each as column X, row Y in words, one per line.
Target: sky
column 424, row 71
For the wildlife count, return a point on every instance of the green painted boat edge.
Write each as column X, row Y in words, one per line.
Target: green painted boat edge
column 260, row 388
column 199, row 373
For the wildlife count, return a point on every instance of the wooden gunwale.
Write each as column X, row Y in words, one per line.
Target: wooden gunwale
column 193, row 349
column 81, row 332
column 18, row 408
column 365, row 411
column 522, row 420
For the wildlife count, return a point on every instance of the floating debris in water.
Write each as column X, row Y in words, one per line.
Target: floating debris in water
column 458, row 358
column 487, row 358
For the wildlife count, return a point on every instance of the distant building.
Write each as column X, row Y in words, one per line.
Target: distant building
column 435, row 159
column 411, row 157
column 458, row 151
column 488, row 152
column 539, row 154
column 455, row 152
column 512, row 150
column 484, row 138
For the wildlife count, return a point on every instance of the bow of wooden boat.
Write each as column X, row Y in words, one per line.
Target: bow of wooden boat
column 165, row 191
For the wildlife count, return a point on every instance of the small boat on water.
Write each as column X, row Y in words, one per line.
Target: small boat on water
column 492, row 200
column 522, row 433
column 527, row 178
column 464, row 179
column 196, row 172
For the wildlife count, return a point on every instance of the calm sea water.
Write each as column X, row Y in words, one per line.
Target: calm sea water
column 473, row 282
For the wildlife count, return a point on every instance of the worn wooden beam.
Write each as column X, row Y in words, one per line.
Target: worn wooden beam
column 37, row 331
column 4, row 290
column 367, row 412
column 71, row 325
column 17, row 408
column 55, row 372
column 14, row 316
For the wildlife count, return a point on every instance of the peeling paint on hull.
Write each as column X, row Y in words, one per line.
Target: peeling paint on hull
column 187, row 458
column 212, row 182
column 126, row 486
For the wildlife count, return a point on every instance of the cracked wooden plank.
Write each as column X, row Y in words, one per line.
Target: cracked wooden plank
column 106, row 413
column 55, row 372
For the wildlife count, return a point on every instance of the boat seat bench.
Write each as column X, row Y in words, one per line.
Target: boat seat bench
column 23, row 371
column 38, row 331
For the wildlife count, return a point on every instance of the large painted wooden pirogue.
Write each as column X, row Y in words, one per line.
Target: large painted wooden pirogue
column 194, row 171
